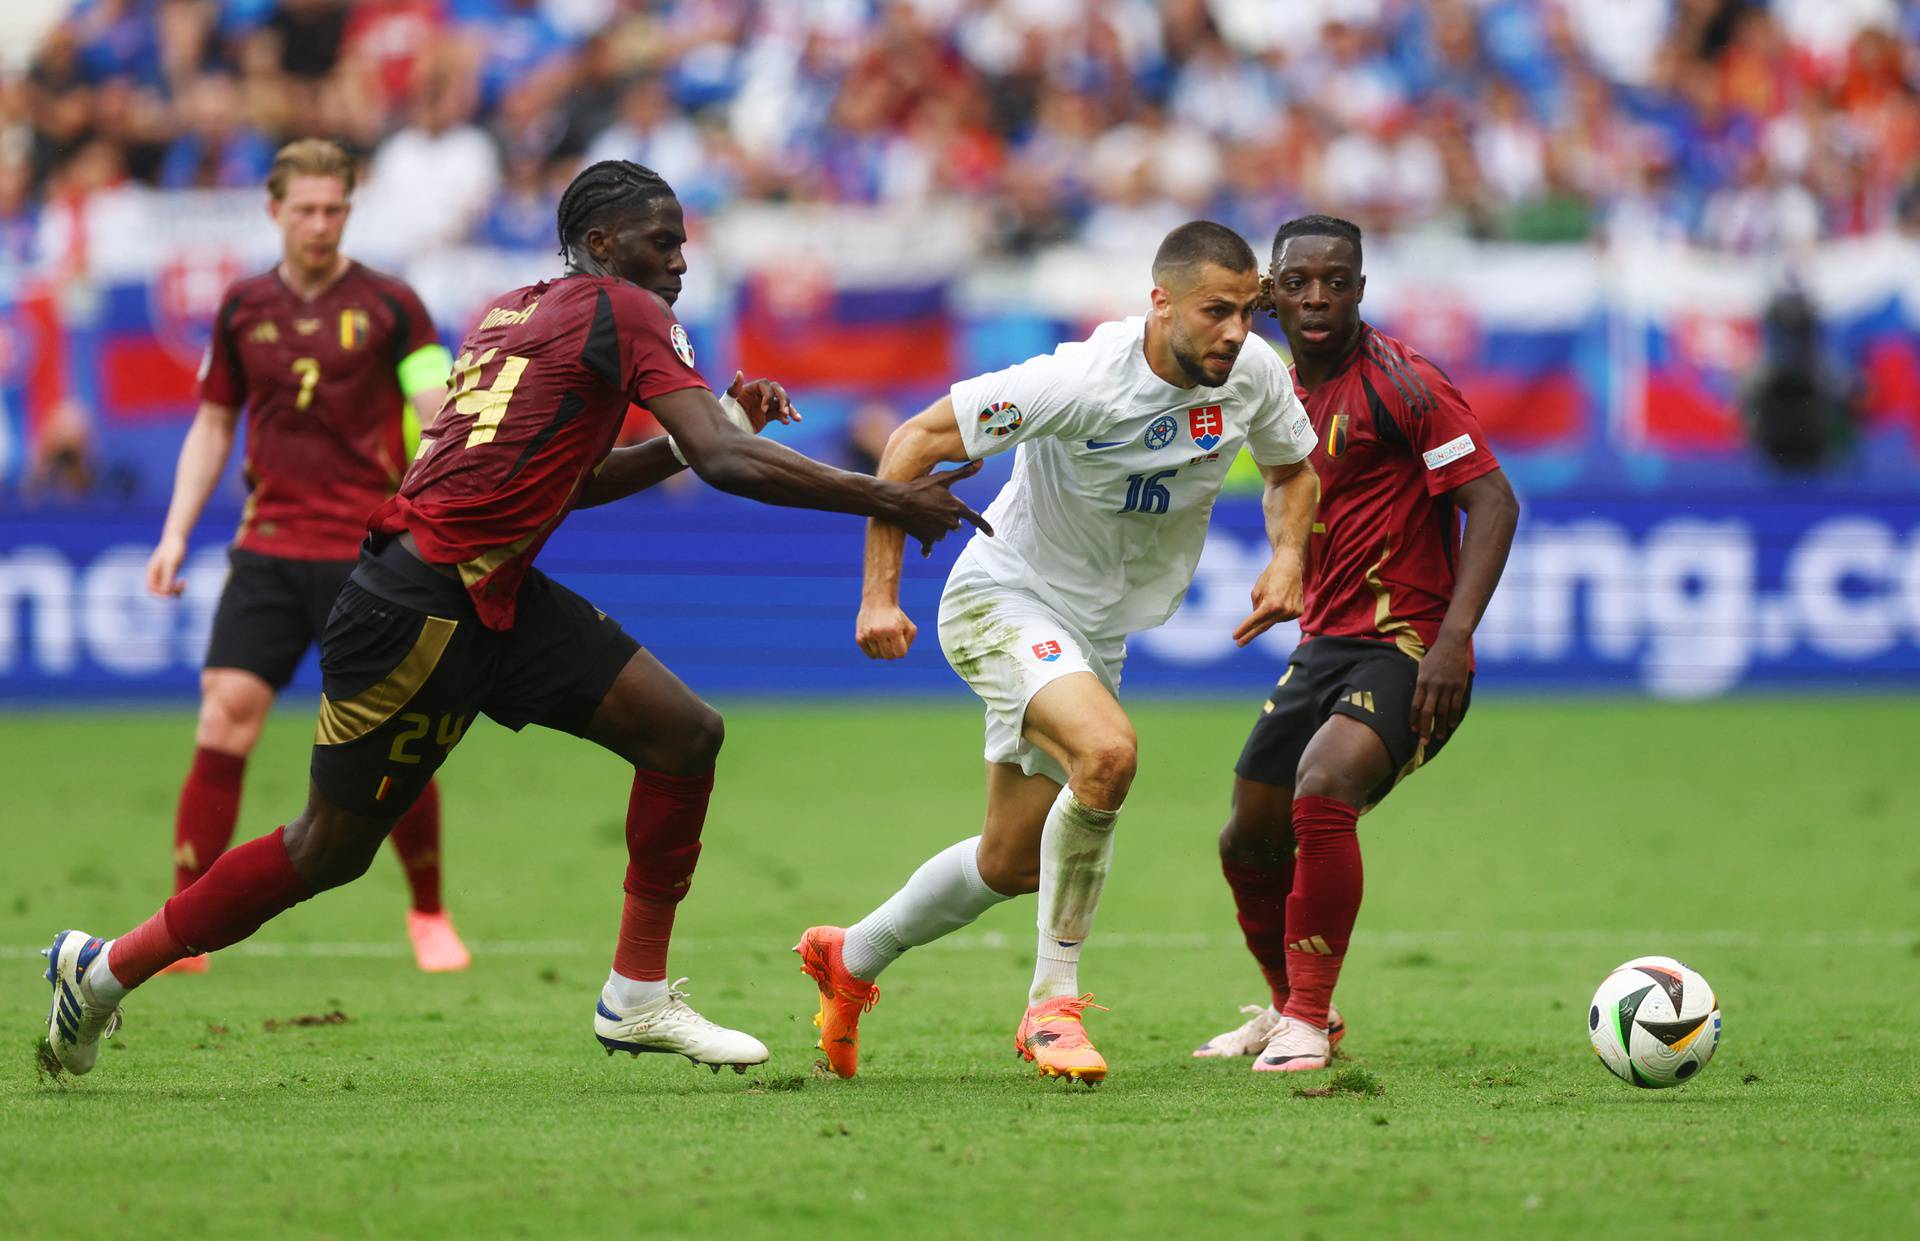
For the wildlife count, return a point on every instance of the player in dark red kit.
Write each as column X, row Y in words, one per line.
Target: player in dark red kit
column 445, row 617
column 1384, row 672
column 325, row 355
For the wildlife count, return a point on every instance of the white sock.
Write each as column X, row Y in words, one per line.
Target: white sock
column 945, row 894
column 101, row 984
column 624, row 995
column 1076, row 849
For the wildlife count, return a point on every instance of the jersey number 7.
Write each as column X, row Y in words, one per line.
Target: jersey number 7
column 1146, row 493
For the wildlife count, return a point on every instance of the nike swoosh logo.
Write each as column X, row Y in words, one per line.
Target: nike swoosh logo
column 1097, row 445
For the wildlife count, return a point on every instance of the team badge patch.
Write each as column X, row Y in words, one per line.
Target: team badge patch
column 1161, row 432
column 1337, row 435
column 1046, row 652
column 1206, row 424
column 682, row 347
column 1001, row 419
column 354, row 327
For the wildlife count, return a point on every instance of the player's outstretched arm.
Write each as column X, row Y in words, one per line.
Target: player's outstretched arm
column 1292, row 493
column 203, row 458
column 643, row 465
column 728, row 458
column 883, row 630
column 1440, row 692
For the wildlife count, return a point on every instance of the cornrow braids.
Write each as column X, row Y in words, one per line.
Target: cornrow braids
column 600, row 189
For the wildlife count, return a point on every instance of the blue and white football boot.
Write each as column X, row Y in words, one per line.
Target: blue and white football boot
column 76, row 1021
column 672, row 1027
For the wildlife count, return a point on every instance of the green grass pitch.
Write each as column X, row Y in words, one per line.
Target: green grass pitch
column 1770, row 843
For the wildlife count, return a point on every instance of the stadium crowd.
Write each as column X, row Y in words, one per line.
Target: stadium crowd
column 1735, row 124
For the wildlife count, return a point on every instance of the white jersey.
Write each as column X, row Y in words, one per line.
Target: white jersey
column 1106, row 513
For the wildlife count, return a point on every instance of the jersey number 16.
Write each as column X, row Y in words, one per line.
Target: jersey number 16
column 1147, row 493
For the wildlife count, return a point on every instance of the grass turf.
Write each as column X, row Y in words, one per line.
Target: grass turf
column 1769, row 843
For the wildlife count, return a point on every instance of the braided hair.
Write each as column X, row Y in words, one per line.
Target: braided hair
column 601, row 190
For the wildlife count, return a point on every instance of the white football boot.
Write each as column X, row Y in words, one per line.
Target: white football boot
column 1295, row 1046
column 672, row 1027
column 76, row 1022
column 1251, row 1038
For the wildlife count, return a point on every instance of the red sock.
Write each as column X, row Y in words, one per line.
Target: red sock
column 1323, row 905
column 209, row 807
column 144, row 951
column 416, row 842
column 664, row 818
column 241, row 891
column 1260, row 897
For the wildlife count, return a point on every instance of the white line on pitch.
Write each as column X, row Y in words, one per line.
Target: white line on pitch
column 995, row 941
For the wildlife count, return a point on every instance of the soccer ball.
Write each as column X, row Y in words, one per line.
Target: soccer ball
column 1654, row 1022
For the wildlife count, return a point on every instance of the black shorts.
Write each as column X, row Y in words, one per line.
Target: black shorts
column 271, row 610
column 1369, row 681
column 405, row 665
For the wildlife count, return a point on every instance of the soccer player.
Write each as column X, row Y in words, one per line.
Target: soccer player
column 1124, row 439
column 1384, row 673
column 325, row 355
column 445, row 617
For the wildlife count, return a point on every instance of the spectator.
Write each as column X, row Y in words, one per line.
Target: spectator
column 217, row 148
column 432, row 181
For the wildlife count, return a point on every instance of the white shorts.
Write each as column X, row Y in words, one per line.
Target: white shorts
column 1008, row 646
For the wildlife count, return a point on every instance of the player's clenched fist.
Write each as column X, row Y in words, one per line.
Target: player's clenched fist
column 884, row 631
column 163, row 568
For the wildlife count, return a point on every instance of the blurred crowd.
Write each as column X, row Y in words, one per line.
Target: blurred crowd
column 1734, row 123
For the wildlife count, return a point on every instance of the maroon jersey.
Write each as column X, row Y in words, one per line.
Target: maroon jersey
column 539, row 391
column 1395, row 437
column 320, row 384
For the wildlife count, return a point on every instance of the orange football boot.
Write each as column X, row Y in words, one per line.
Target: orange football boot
column 842, row 997
column 1053, row 1037
column 186, row 965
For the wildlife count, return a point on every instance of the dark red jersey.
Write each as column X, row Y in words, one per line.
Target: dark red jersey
column 540, row 389
column 319, row 382
column 1395, row 437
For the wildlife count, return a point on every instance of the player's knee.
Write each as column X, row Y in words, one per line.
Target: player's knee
column 696, row 743
column 1321, row 778
column 330, row 850
column 1008, row 873
column 1105, row 769
column 1256, row 846
column 230, row 718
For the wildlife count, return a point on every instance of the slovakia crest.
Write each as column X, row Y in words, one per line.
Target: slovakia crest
column 1206, row 424
column 1161, row 431
column 682, row 347
column 1046, row 652
column 1001, row 419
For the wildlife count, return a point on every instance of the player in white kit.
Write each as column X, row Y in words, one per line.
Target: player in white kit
column 1125, row 439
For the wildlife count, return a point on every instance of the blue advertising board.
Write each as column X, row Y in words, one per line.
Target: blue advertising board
column 1659, row 595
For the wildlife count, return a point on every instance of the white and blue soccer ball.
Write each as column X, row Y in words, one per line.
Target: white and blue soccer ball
column 1654, row 1022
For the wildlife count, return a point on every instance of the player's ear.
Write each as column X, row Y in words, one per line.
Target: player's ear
column 1359, row 290
column 1162, row 301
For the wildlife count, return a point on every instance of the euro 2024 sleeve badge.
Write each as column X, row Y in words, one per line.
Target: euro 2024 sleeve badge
column 682, row 347
column 1001, row 419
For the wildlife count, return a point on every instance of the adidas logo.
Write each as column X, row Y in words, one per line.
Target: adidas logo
column 1362, row 699
column 1313, row 944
